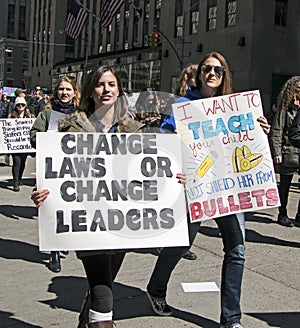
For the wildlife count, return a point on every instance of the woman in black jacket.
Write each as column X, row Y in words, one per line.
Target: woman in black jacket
column 285, row 155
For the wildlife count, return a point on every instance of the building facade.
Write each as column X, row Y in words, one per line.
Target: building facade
column 14, row 44
column 260, row 40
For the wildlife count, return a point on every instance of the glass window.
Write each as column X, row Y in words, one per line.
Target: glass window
column 231, row 13
column 194, row 16
column 211, row 15
column 178, row 18
column 281, row 10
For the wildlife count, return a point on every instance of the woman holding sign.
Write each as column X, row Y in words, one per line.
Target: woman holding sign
column 65, row 100
column 19, row 159
column 213, row 78
column 103, row 108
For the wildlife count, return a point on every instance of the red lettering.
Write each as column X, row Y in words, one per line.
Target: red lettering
column 196, row 211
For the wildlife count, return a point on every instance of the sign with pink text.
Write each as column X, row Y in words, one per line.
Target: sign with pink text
column 226, row 156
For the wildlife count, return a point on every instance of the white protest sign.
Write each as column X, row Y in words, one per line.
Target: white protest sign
column 227, row 158
column 110, row 191
column 15, row 135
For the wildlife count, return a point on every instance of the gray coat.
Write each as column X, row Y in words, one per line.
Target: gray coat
column 280, row 144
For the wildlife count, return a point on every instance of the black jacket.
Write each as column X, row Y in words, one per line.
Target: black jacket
column 294, row 131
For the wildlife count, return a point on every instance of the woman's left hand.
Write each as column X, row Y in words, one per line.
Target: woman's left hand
column 264, row 124
column 181, row 178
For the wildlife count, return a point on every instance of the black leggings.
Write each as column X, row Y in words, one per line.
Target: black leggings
column 283, row 189
column 19, row 160
column 101, row 271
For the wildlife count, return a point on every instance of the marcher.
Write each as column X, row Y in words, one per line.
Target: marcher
column 19, row 159
column 103, row 109
column 186, row 79
column 285, row 156
column 213, row 78
column 6, row 108
column 294, row 138
column 65, row 101
column 39, row 102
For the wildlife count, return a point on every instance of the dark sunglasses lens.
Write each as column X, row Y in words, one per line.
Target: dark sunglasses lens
column 206, row 68
column 219, row 70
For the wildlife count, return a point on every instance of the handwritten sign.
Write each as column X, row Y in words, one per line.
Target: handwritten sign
column 15, row 135
column 110, row 191
column 226, row 156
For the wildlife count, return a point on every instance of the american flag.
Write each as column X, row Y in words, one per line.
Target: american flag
column 76, row 19
column 108, row 10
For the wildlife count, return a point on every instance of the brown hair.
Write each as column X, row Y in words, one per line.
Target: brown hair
column 287, row 93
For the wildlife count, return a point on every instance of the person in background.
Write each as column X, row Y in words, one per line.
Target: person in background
column 20, row 92
column 40, row 102
column 103, row 108
column 186, row 79
column 294, row 138
column 285, row 155
column 19, row 159
column 65, row 101
column 213, row 78
column 6, row 107
column 147, row 109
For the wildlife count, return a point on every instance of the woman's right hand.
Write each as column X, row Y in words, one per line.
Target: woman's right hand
column 277, row 159
column 38, row 196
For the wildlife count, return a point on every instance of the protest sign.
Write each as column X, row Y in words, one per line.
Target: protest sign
column 227, row 158
column 110, row 191
column 15, row 135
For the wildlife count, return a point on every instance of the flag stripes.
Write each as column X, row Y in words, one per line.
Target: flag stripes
column 76, row 19
column 108, row 10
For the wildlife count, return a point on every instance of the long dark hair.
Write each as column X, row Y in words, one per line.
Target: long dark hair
column 226, row 86
column 87, row 103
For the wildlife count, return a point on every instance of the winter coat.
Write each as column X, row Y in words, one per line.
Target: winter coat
column 294, row 131
column 294, row 135
column 280, row 144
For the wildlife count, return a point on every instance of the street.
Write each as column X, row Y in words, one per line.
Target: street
column 33, row 296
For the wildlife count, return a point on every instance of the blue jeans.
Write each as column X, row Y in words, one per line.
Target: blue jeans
column 232, row 228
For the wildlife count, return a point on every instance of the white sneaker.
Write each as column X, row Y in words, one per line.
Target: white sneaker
column 233, row 325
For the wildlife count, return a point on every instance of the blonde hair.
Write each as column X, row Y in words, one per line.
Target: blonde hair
column 187, row 78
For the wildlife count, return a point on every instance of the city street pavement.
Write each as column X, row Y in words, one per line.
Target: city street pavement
column 32, row 296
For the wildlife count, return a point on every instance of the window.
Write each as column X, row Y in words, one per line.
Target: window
column 194, row 16
column 281, row 7
column 178, row 19
column 230, row 13
column 211, row 15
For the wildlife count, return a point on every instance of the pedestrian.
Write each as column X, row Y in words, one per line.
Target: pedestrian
column 39, row 102
column 213, row 78
column 102, row 109
column 187, row 78
column 294, row 138
column 19, row 159
column 65, row 100
column 285, row 155
column 6, row 107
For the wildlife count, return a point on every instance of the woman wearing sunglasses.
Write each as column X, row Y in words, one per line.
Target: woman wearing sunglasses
column 213, row 78
column 19, row 159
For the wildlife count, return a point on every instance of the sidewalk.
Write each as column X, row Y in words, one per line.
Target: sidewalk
column 33, row 296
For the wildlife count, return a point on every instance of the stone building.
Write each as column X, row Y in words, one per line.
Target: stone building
column 260, row 40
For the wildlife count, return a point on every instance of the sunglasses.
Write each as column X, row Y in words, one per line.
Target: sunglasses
column 219, row 70
column 20, row 105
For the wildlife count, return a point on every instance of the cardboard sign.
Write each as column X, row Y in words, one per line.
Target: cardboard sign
column 110, row 191
column 15, row 135
column 226, row 156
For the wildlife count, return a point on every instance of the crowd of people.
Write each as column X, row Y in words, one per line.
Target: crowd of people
column 101, row 106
